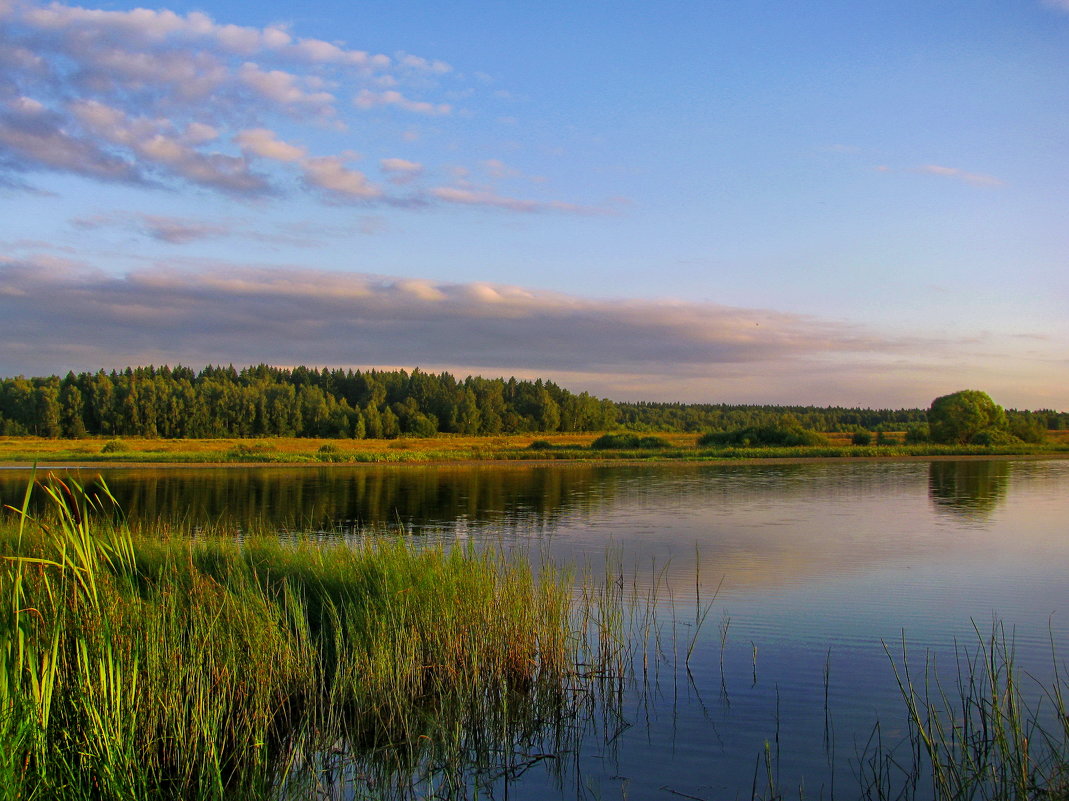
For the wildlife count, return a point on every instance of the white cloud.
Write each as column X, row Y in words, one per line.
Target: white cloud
column 284, row 88
column 163, row 99
column 265, row 144
column 331, row 174
column 155, row 141
column 31, row 135
column 368, row 99
column 974, row 178
column 401, row 171
column 487, row 198
column 630, row 348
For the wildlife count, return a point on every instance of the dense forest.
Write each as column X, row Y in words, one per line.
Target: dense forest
column 177, row 402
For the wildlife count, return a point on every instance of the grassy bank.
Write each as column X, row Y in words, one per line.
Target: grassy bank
column 163, row 666
column 294, row 450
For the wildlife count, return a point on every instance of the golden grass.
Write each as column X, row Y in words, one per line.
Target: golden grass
column 442, row 448
column 138, row 449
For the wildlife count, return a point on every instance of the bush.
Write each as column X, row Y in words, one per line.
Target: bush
column 1027, row 428
column 540, row 445
column 992, row 436
column 244, row 452
column 627, row 441
column 957, row 418
column 329, row 452
column 861, row 438
column 114, row 446
column 763, row 436
column 917, row 434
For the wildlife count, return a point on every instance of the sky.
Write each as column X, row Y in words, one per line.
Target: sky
column 830, row 203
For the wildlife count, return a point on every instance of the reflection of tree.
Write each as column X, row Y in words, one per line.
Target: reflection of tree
column 970, row 489
column 418, row 498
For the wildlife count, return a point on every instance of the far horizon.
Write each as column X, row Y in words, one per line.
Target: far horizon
column 830, row 205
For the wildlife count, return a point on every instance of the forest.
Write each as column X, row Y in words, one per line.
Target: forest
column 261, row 401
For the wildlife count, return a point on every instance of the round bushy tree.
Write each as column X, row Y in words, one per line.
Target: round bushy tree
column 961, row 417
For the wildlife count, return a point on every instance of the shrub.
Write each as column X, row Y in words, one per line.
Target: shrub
column 629, row 442
column 245, row 452
column 763, row 436
column 917, row 434
column 861, row 438
column 992, row 436
column 114, row 446
column 1027, row 428
column 958, row 417
column 328, row 452
column 540, row 445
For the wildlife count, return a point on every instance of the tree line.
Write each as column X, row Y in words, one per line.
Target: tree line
column 178, row 402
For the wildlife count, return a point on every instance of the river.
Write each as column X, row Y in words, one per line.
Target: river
column 793, row 586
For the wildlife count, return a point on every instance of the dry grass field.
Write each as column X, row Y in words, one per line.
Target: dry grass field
column 31, row 449
column 443, row 448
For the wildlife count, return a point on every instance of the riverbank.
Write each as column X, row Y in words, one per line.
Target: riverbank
column 101, row 452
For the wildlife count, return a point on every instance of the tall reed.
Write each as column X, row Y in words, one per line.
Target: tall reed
column 165, row 666
column 981, row 738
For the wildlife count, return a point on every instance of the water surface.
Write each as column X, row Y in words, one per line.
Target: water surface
column 818, row 570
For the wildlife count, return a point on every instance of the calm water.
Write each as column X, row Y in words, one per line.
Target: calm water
column 818, row 565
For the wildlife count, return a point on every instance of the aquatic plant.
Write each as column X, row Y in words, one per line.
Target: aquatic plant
column 161, row 665
column 979, row 737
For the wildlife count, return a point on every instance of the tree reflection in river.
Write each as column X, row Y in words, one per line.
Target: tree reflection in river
column 969, row 489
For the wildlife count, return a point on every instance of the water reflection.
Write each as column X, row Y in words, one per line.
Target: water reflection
column 821, row 565
column 343, row 498
column 970, row 489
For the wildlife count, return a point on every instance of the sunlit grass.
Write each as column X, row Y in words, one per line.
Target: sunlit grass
column 449, row 448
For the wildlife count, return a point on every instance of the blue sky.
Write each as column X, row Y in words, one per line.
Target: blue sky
column 832, row 203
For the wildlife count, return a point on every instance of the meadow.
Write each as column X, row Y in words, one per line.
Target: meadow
column 25, row 450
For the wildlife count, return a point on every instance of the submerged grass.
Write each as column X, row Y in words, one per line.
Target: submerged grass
column 154, row 666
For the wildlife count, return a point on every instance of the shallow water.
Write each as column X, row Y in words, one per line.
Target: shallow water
column 817, row 569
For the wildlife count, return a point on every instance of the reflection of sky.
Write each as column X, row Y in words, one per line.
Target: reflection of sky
column 819, row 577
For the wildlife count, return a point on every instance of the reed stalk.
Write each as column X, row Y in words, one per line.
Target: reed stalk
column 170, row 666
